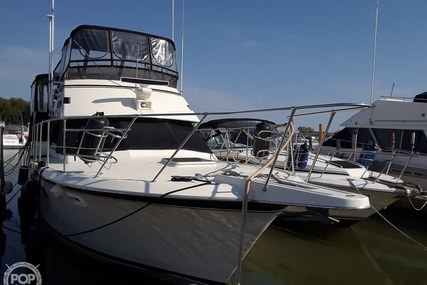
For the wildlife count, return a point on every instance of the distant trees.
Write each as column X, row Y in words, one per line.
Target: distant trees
column 14, row 111
column 305, row 130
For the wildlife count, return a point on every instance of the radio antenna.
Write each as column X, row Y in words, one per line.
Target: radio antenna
column 182, row 48
column 173, row 20
column 374, row 53
column 51, row 18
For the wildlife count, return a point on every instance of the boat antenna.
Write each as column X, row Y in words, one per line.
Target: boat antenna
column 195, row 98
column 51, row 18
column 173, row 20
column 182, row 48
column 374, row 53
column 138, row 44
column 392, row 89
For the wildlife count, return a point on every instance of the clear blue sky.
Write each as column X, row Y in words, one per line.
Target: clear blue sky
column 243, row 54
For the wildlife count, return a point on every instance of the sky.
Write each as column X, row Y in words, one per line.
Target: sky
column 240, row 54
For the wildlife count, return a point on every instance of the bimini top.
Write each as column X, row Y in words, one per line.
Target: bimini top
column 234, row 123
column 95, row 52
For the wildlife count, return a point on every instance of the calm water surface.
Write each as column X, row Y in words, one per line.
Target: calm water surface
column 370, row 252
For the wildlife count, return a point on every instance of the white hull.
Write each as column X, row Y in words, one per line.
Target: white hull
column 201, row 242
column 414, row 172
column 380, row 195
column 199, row 225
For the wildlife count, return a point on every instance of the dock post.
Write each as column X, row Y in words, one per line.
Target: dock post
column 3, row 210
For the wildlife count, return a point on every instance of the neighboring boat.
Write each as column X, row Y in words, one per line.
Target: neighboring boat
column 389, row 137
column 233, row 139
column 383, row 190
column 123, row 173
column 15, row 136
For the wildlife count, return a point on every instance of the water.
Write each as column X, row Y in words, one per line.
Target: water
column 372, row 251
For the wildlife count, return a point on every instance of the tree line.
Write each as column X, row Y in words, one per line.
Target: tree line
column 14, row 111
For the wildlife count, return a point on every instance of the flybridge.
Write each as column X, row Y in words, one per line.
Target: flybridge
column 93, row 52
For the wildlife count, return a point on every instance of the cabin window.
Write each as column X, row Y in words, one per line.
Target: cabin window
column 90, row 44
column 402, row 139
column 39, row 94
column 162, row 52
column 62, row 65
column 130, row 46
column 145, row 134
column 158, row 134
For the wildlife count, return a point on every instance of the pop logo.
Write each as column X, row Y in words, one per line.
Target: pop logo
column 15, row 276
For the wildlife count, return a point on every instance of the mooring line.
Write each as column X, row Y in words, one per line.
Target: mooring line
column 389, row 222
column 136, row 211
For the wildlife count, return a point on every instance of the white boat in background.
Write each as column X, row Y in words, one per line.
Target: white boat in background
column 235, row 140
column 122, row 172
column 390, row 137
column 15, row 136
column 396, row 130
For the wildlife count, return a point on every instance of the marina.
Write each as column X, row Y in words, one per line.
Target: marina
column 370, row 252
column 118, row 179
column 130, row 165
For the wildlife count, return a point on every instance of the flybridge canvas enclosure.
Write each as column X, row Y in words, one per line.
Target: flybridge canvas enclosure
column 93, row 52
column 234, row 123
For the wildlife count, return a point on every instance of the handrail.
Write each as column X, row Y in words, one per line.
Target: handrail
column 45, row 126
column 322, row 140
column 398, row 98
column 117, row 145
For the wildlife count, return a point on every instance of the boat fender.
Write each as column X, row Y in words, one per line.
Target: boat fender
column 27, row 207
column 91, row 139
column 262, row 136
column 302, row 156
column 23, row 174
column 367, row 156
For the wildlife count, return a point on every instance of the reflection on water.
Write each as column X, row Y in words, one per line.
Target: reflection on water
column 369, row 252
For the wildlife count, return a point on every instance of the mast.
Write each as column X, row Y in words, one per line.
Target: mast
column 374, row 54
column 182, row 49
column 173, row 20
column 51, row 45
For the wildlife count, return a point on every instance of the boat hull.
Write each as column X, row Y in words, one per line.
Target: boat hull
column 413, row 174
column 200, row 242
column 378, row 200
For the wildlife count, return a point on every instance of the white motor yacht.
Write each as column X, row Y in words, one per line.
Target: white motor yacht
column 122, row 173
